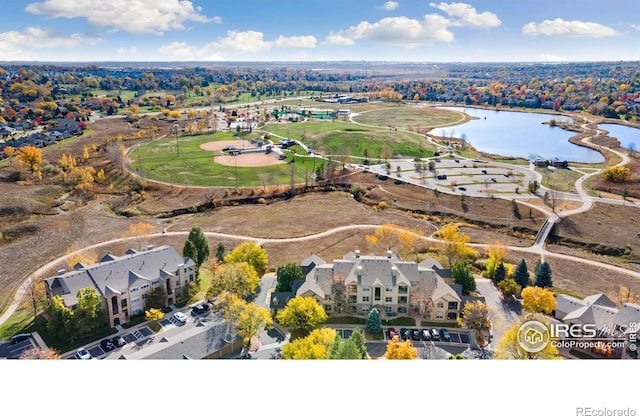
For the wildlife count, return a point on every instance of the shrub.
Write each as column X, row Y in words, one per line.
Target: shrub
column 262, row 201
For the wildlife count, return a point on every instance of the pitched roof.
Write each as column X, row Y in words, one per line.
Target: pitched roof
column 600, row 316
column 116, row 274
column 627, row 314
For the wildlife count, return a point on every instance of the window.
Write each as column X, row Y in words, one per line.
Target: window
column 178, row 282
column 388, row 309
column 135, row 300
column 134, row 289
column 155, row 282
column 452, row 316
column 440, row 305
column 453, row 305
column 123, row 303
column 388, row 299
column 439, row 316
column 146, row 285
column 376, row 293
column 365, row 298
column 353, row 299
column 327, row 308
column 191, row 277
column 388, row 289
column 402, row 300
column 402, row 289
column 365, row 288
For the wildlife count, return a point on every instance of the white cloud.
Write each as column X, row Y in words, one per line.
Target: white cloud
column 573, row 28
column 636, row 27
column 12, row 43
column 338, row 39
column 295, row 42
column 552, row 58
column 233, row 45
column 400, row 30
column 133, row 16
column 128, row 51
column 390, row 5
column 247, row 41
column 467, row 16
column 409, row 32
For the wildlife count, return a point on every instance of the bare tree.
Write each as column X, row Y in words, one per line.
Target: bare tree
column 40, row 354
column 34, row 295
column 339, row 292
column 422, row 302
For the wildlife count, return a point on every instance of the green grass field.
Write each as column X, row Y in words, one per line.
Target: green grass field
column 159, row 160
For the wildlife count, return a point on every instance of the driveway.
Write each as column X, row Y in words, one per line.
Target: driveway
column 506, row 313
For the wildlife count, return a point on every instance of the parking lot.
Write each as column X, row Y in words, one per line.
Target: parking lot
column 13, row 351
column 456, row 336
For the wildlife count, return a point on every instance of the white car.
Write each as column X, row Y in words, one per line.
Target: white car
column 83, row 354
column 180, row 317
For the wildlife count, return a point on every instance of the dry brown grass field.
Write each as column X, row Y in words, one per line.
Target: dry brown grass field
column 35, row 232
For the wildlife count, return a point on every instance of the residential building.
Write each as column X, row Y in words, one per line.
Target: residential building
column 386, row 283
column 123, row 281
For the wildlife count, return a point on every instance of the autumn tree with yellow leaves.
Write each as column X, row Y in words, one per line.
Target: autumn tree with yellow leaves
column 400, row 350
column 454, row 246
column 399, row 240
column 537, row 299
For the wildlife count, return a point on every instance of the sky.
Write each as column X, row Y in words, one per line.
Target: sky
column 320, row 30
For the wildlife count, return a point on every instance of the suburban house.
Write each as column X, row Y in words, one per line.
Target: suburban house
column 123, row 281
column 386, row 283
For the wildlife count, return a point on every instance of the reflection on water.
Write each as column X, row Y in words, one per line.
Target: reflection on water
column 518, row 134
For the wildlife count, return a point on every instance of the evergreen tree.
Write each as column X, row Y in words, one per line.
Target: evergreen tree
column 461, row 274
column 543, row 275
column 358, row 340
column 196, row 247
column 334, row 348
column 521, row 274
column 500, row 274
column 286, row 275
column 220, row 252
column 374, row 323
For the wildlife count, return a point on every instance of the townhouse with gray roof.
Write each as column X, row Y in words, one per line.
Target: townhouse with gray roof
column 123, row 281
column 383, row 282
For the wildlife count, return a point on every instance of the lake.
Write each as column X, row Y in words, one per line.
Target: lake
column 518, row 134
column 629, row 137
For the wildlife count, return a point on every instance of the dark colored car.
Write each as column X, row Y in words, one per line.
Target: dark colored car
column 107, row 345
column 19, row 338
column 444, row 334
column 392, row 333
column 415, row 335
column 207, row 306
column 198, row 310
column 404, row 334
column 462, row 188
column 118, row 342
column 484, row 171
column 426, row 335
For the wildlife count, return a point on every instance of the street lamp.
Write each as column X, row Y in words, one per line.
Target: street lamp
column 176, row 127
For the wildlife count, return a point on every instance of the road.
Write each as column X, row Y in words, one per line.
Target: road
column 506, row 313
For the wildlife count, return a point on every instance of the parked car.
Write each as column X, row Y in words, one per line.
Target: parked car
column 83, row 354
column 426, row 335
column 462, row 188
column 19, row 338
column 404, row 334
column 444, row 334
column 484, row 171
column 392, row 333
column 415, row 335
column 207, row 306
column 180, row 317
column 118, row 341
column 107, row 345
column 435, row 335
column 198, row 310
column 494, row 180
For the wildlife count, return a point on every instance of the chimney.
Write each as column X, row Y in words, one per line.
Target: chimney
column 357, row 254
column 389, row 254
